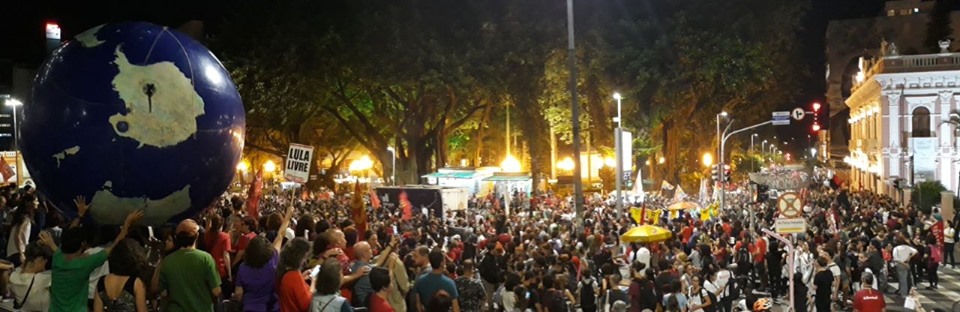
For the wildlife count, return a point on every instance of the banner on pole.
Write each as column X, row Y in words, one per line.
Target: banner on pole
column 297, row 168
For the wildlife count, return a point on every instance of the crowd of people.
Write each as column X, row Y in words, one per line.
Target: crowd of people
column 313, row 254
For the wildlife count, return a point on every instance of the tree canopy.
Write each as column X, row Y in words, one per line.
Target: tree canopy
column 430, row 78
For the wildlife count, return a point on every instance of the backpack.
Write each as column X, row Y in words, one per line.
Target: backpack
column 936, row 255
column 588, row 293
column 714, row 303
column 734, row 288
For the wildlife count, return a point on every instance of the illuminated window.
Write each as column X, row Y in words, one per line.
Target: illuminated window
column 904, row 11
column 892, row 13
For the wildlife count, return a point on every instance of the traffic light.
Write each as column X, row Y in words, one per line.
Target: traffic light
column 762, row 195
column 726, row 173
column 715, row 172
column 816, row 117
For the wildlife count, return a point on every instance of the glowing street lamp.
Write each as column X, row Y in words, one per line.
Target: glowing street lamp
column 661, row 160
column 269, row 166
column 510, row 164
column 243, row 166
column 566, row 164
column 707, row 159
column 609, row 162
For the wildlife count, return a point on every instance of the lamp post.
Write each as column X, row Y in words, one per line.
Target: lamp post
column 719, row 182
column 618, row 141
column 575, row 114
column 763, row 147
column 751, row 141
column 393, row 165
column 14, row 104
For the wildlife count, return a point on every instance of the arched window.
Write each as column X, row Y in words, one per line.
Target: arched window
column 921, row 122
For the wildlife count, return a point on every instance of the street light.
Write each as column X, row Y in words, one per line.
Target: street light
column 566, row 164
column 14, row 103
column 575, row 114
column 751, row 141
column 269, row 166
column 618, row 132
column 707, row 159
column 243, row 166
column 510, row 164
column 661, row 160
column 393, row 165
column 721, row 114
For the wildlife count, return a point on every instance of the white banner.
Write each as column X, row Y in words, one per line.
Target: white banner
column 297, row 168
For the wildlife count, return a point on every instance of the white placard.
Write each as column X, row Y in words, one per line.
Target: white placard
column 297, row 168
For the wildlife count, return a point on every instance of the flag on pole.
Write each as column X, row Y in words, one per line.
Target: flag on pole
column 703, row 191
column 679, row 194
column 405, row 206
column 374, row 200
column 5, row 169
column 638, row 187
column 253, row 195
column 358, row 211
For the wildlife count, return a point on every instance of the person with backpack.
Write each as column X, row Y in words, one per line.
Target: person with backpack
column 934, row 258
column 700, row 299
column 587, row 292
column 491, row 272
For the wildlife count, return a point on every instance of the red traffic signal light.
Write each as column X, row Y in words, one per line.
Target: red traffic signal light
column 816, row 106
column 816, row 127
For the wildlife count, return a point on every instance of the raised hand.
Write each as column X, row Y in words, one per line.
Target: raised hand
column 82, row 206
column 133, row 218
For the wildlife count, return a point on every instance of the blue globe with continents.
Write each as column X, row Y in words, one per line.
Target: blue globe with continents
column 133, row 116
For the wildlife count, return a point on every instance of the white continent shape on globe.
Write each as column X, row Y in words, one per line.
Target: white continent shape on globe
column 164, row 119
column 88, row 39
column 107, row 208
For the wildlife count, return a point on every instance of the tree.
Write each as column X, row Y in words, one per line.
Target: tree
column 687, row 60
column 938, row 27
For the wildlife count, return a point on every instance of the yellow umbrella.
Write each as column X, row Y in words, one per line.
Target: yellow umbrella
column 685, row 205
column 646, row 234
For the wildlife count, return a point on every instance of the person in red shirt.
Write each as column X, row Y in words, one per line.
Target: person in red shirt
column 868, row 299
column 218, row 245
column 293, row 292
column 248, row 230
column 685, row 233
column 381, row 281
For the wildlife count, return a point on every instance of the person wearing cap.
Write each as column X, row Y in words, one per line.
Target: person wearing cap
column 69, row 286
column 188, row 276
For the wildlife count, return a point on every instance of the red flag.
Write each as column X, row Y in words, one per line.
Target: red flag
column 359, row 211
column 374, row 200
column 5, row 169
column 406, row 206
column 253, row 195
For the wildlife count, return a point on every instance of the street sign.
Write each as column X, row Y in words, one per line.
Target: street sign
column 790, row 226
column 789, row 205
column 798, row 114
column 781, row 118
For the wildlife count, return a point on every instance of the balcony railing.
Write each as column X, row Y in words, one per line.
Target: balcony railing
column 910, row 63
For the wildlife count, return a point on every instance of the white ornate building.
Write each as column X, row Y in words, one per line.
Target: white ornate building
column 897, row 108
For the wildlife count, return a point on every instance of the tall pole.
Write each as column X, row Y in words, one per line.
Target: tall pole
column 508, row 130
column 575, row 112
column 724, row 141
column 618, row 141
column 16, row 147
column 393, row 165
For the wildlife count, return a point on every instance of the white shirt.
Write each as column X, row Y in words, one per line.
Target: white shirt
column 723, row 278
column 948, row 233
column 39, row 299
column 95, row 276
column 903, row 253
column 694, row 299
column 19, row 233
column 643, row 256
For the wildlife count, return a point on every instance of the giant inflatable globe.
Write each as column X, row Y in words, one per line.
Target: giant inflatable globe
column 133, row 116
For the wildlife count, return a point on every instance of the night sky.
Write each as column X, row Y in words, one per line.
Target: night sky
column 22, row 33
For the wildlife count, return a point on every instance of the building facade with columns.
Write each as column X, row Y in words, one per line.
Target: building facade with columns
column 898, row 106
